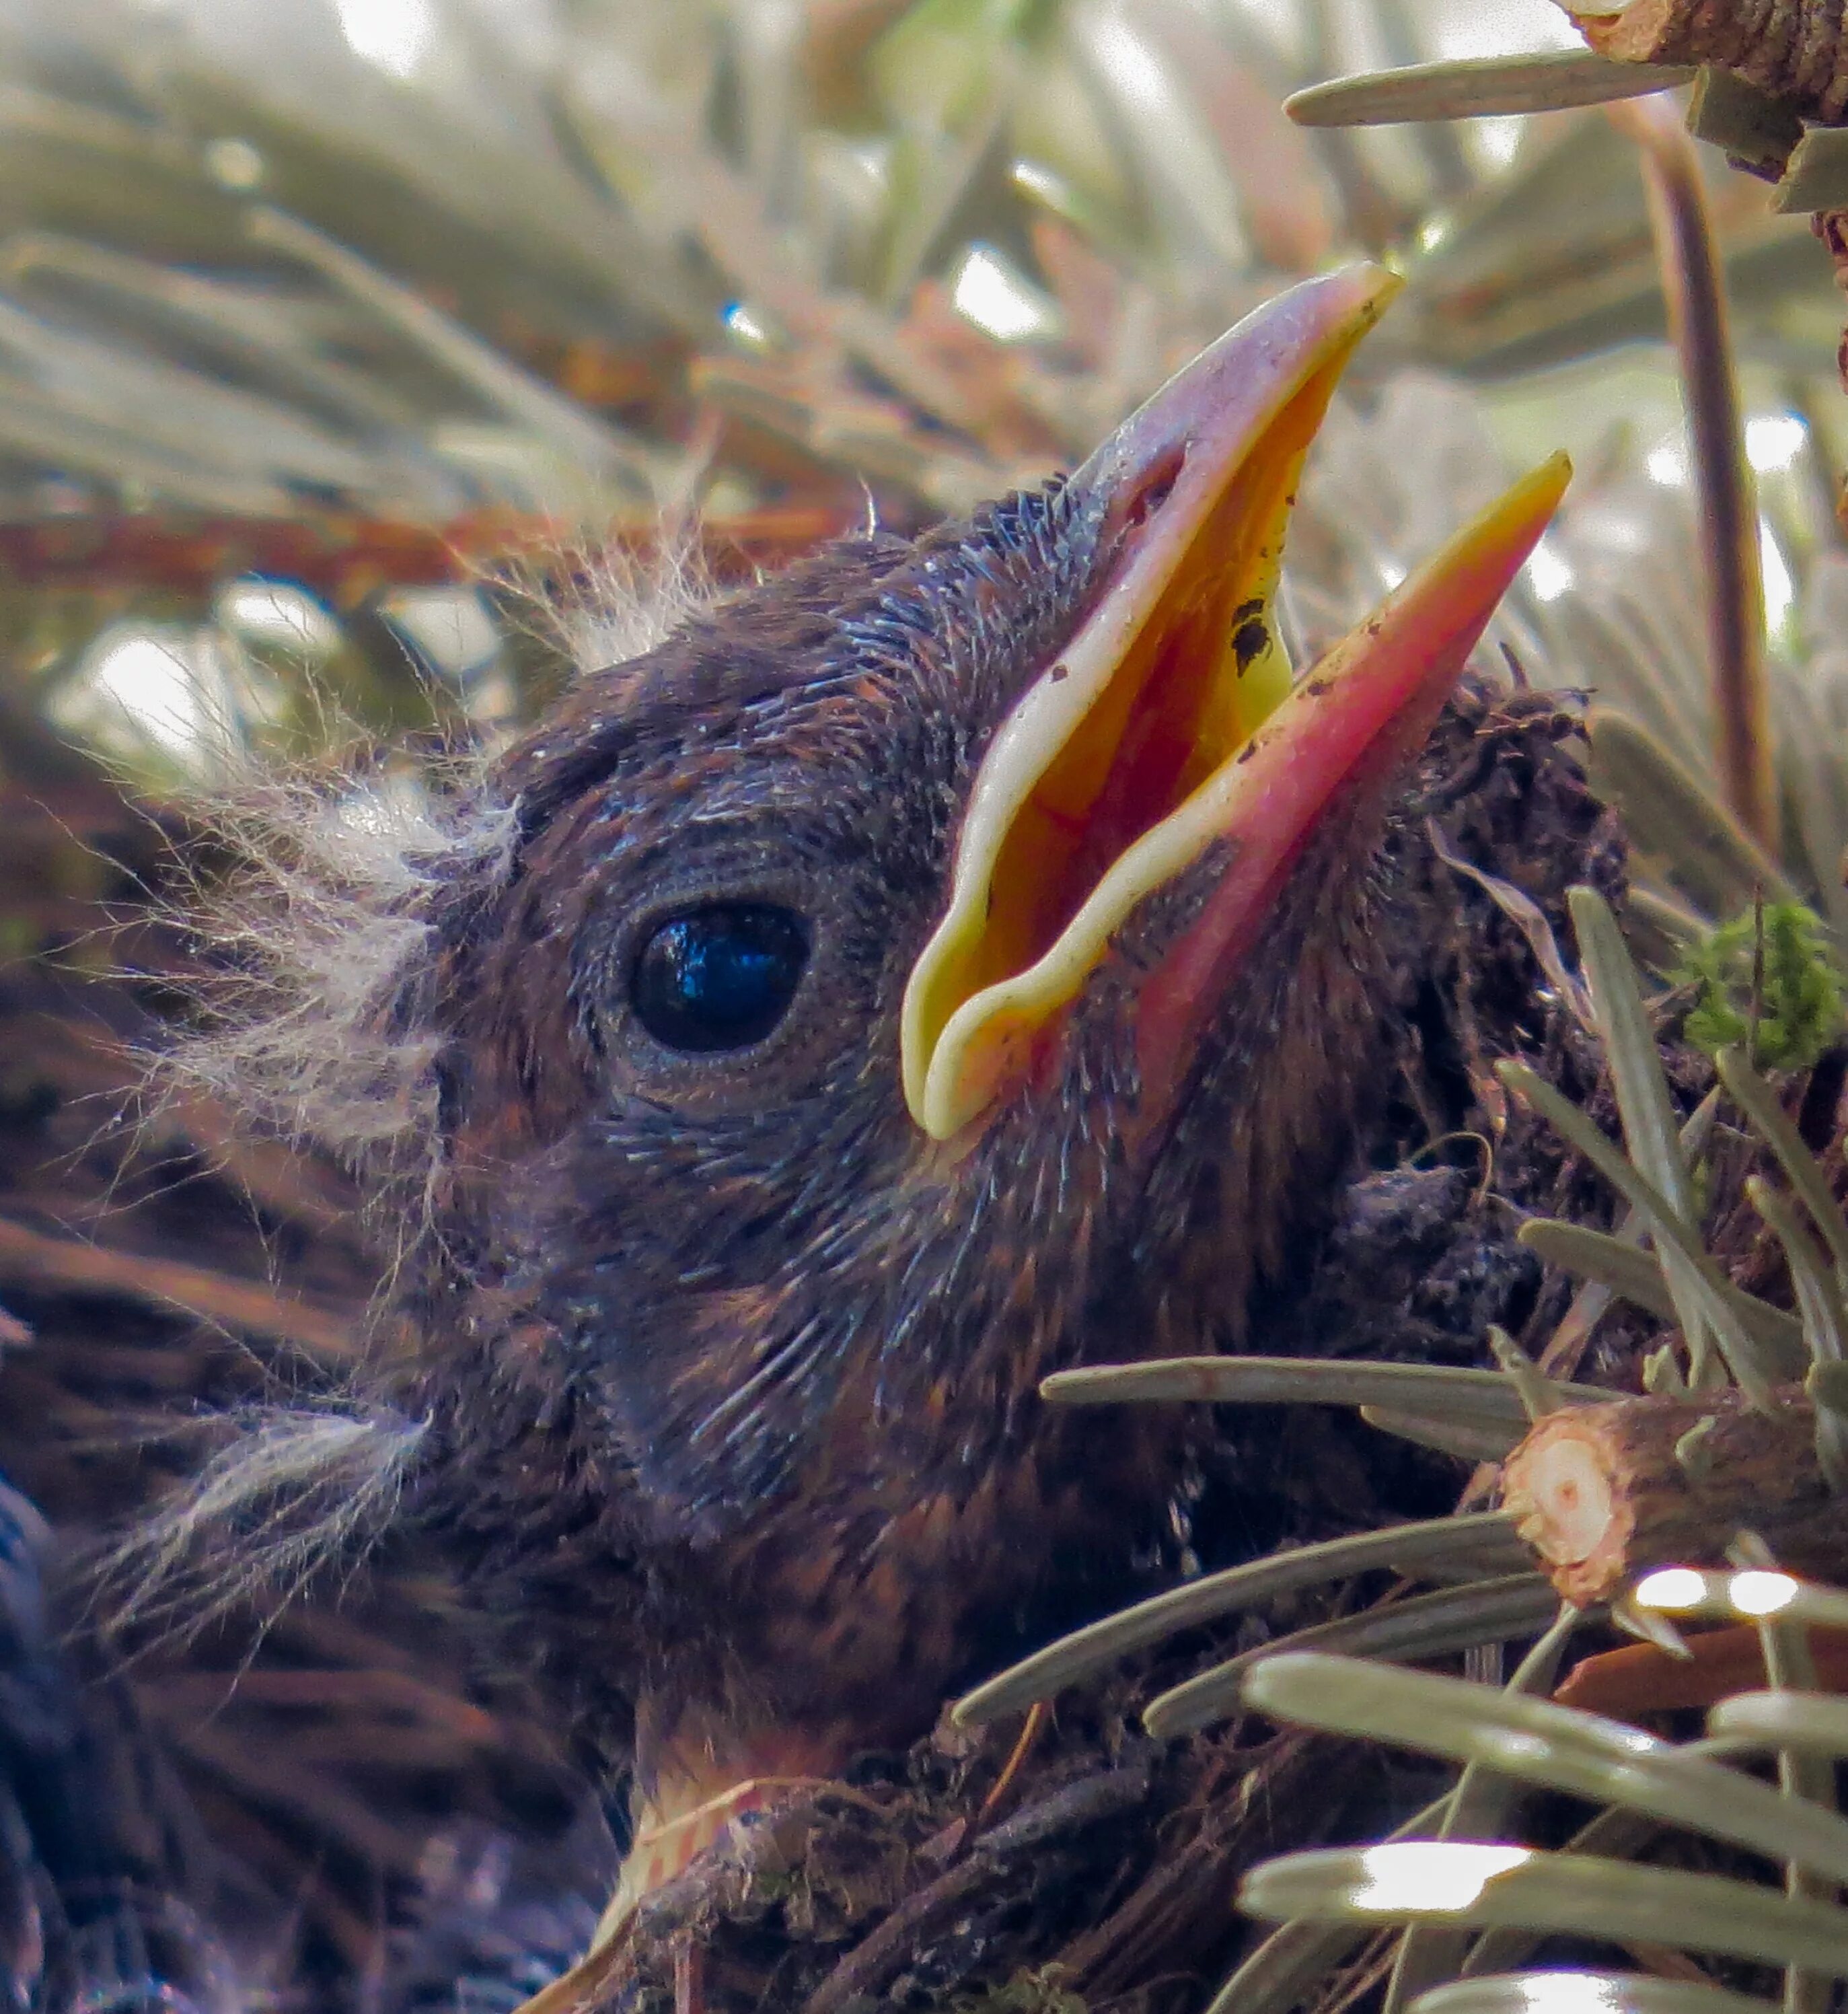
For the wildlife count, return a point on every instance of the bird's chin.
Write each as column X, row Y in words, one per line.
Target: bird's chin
column 1169, row 731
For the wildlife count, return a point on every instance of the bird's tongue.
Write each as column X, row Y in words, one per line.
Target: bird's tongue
column 1170, row 725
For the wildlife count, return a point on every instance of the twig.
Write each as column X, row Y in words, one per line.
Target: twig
column 690, row 1975
column 1637, row 1679
column 1791, row 51
column 1037, row 1715
column 876, row 1957
column 1757, row 1001
column 1688, row 253
column 26, row 1254
column 1603, row 1493
column 370, row 1692
column 860, row 1976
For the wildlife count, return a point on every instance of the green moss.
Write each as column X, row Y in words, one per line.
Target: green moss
column 1803, row 992
column 1036, row 1992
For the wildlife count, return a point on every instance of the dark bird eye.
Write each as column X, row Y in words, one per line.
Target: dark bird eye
column 721, row 977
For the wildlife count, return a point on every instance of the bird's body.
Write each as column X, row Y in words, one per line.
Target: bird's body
column 945, row 964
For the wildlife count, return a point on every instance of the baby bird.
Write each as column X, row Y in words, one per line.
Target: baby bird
column 948, row 963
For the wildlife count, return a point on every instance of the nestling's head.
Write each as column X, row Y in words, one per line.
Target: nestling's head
column 943, row 964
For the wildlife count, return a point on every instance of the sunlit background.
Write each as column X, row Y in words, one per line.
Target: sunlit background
column 308, row 306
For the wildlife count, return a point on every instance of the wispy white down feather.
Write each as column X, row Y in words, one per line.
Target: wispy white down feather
column 291, row 1490
column 608, row 606
column 307, row 1024
column 312, row 1024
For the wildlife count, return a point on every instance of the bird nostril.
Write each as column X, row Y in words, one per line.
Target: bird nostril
column 1154, row 490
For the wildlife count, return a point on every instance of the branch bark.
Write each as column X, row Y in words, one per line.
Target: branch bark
column 1793, row 49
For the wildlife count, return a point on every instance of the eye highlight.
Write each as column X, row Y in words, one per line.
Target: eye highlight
column 719, row 977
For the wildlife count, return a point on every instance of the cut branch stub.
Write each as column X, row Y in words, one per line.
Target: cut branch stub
column 1794, row 50
column 1599, row 1494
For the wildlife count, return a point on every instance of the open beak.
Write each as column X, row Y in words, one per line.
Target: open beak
column 1169, row 724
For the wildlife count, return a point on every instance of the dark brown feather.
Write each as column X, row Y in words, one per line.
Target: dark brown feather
column 734, row 1374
